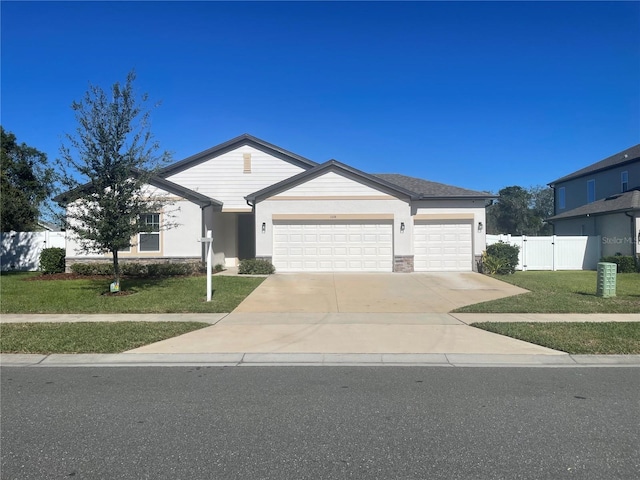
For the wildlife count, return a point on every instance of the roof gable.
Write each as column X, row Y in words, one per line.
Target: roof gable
column 232, row 144
column 331, row 166
column 626, row 156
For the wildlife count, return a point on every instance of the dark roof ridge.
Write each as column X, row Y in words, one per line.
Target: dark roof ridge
column 617, row 159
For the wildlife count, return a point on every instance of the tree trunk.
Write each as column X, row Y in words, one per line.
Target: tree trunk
column 116, row 267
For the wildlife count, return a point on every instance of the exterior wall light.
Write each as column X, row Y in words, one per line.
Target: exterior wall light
column 480, row 226
column 264, row 227
column 402, row 226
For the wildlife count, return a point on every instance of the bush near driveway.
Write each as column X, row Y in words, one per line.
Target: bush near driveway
column 150, row 295
column 563, row 292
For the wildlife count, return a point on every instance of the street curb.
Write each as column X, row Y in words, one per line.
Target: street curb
column 315, row 359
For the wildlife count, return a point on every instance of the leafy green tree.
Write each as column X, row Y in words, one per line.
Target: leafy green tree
column 114, row 154
column 26, row 183
column 542, row 208
column 521, row 211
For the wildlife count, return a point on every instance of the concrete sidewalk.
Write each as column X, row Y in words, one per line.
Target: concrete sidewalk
column 331, row 339
column 316, row 359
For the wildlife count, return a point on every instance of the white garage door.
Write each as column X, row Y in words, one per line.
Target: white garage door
column 332, row 246
column 442, row 246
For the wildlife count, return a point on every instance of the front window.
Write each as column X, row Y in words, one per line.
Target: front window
column 624, row 180
column 591, row 191
column 150, row 241
column 561, row 198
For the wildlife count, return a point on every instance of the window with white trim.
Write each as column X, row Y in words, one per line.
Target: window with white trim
column 591, row 191
column 561, row 198
column 150, row 241
column 624, row 181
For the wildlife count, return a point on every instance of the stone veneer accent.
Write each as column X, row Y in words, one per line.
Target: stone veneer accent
column 477, row 260
column 141, row 260
column 403, row 263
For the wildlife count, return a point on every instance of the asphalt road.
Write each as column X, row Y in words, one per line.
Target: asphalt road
column 320, row 423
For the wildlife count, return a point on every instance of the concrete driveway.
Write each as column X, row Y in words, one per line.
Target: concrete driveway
column 373, row 293
column 355, row 313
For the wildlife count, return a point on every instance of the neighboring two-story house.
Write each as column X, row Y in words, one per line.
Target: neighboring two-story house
column 602, row 199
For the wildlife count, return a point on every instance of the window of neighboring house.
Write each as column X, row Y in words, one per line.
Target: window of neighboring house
column 591, row 191
column 150, row 241
column 624, row 180
column 561, row 198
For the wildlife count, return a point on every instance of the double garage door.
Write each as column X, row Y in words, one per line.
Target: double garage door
column 366, row 246
column 333, row 246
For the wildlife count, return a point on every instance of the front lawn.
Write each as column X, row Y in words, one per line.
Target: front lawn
column 563, row 292
column 87, row 337
column 162, row 295
column 574, row 338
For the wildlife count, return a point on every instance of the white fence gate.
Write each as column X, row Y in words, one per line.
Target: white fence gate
column 21, row 250
column 554, row 252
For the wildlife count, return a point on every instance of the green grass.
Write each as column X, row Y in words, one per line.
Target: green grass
column 87, row 337
column 563, row 292
column 574, row 338
column 165, row 295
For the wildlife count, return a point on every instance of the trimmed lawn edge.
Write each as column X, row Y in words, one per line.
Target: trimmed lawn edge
column 88, row 337
column 576, row 338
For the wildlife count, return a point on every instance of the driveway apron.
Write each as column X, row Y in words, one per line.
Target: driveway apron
column 355, row 313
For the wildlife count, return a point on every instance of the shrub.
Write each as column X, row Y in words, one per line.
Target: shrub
column 218, row 268
column 169, row 269
column 256, row 266
column 625, row 263
column 132, row 269
column 92, row 268
column 52, row 260
column 500, row 258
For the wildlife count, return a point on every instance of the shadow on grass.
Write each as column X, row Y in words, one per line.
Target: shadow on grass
column 134, row 285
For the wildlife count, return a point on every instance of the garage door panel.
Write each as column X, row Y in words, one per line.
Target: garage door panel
column 442, row 246
column 333, row 246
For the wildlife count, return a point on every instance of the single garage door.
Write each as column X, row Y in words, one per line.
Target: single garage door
column 332, row 246
column 442, row 246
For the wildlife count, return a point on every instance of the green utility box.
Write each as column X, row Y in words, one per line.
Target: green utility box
column 606, row 279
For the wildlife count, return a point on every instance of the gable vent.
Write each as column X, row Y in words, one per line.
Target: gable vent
column 247, row 163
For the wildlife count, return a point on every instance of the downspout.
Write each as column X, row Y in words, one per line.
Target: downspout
column 635, row 238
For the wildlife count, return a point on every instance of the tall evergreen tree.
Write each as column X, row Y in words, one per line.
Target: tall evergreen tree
column 114, row 154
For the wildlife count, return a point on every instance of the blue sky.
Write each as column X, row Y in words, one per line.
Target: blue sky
column 480, row 95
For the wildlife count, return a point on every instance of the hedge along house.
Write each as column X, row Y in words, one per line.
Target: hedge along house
column 262, row 201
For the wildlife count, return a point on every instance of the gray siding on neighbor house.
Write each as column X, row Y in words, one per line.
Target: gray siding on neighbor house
column 616, row 230
column 607, row 183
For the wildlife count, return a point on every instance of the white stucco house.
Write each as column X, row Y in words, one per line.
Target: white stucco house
column 262, row 201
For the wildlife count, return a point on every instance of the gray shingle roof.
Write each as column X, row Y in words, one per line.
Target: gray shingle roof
column 427, row 189
column 626, row 156
column 621, row 202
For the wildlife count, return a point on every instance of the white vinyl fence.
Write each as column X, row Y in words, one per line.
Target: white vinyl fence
column 554, row 252
column 21, row 250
